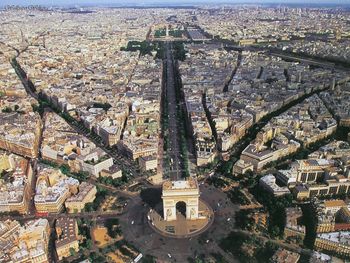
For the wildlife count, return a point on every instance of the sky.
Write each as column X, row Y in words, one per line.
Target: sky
column 162, row 2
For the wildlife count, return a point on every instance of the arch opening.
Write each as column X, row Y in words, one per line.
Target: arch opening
column 181, row 208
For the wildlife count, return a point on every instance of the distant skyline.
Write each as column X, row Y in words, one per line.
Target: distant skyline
column 165, row 2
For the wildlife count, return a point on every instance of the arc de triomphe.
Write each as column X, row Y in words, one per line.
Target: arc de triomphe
column 186, row 191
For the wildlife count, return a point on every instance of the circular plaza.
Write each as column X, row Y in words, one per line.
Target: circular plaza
column 181, row 227
column 182, row 213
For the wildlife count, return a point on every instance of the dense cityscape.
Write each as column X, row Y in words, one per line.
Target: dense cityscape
column 199, row 133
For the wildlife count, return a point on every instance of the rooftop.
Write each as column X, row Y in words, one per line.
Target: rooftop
column 181, row 184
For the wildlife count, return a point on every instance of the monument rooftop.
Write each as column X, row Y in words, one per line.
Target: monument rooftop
column 181, row 184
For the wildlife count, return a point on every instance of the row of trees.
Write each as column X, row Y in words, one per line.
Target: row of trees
column 237, row 197
column 183, row 129
column 217, row 182
column 96, row 204
column 249, row 249
column 84, row 226
column 179, row 51
column 65, row 169
column 113, row 227
column 145, row 48
column 160, row 33
column 8, row 109
column 122, row 245
column 276, row 208
column 116, row 182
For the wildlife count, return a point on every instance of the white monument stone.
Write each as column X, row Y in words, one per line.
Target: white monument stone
column 186, row 191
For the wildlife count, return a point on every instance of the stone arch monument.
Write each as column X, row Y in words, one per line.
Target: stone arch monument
column 186, row 191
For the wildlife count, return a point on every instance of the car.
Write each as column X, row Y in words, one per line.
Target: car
column 132, row 222
column 169, row 255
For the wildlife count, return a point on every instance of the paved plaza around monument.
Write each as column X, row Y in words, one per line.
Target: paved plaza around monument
column 182, row 227
column 137, row 229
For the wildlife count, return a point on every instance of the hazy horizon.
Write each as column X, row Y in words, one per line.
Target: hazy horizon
column 165, row 2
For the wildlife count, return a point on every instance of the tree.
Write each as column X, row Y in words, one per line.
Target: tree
column 97, row 257
column 72, row 251
column 244, row 220
column 88, row 243
column 65, row 169
column 251, row 182
column 124, row 177
column 7, row 109
column 179, row 50
column 275, row 231
column 113, row 227
column 105, row 106
column 148, row 259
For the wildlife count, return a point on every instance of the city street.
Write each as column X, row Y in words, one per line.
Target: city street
column 173, row 151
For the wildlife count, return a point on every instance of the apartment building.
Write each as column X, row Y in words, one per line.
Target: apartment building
column 76, row 203
column 67, row 237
